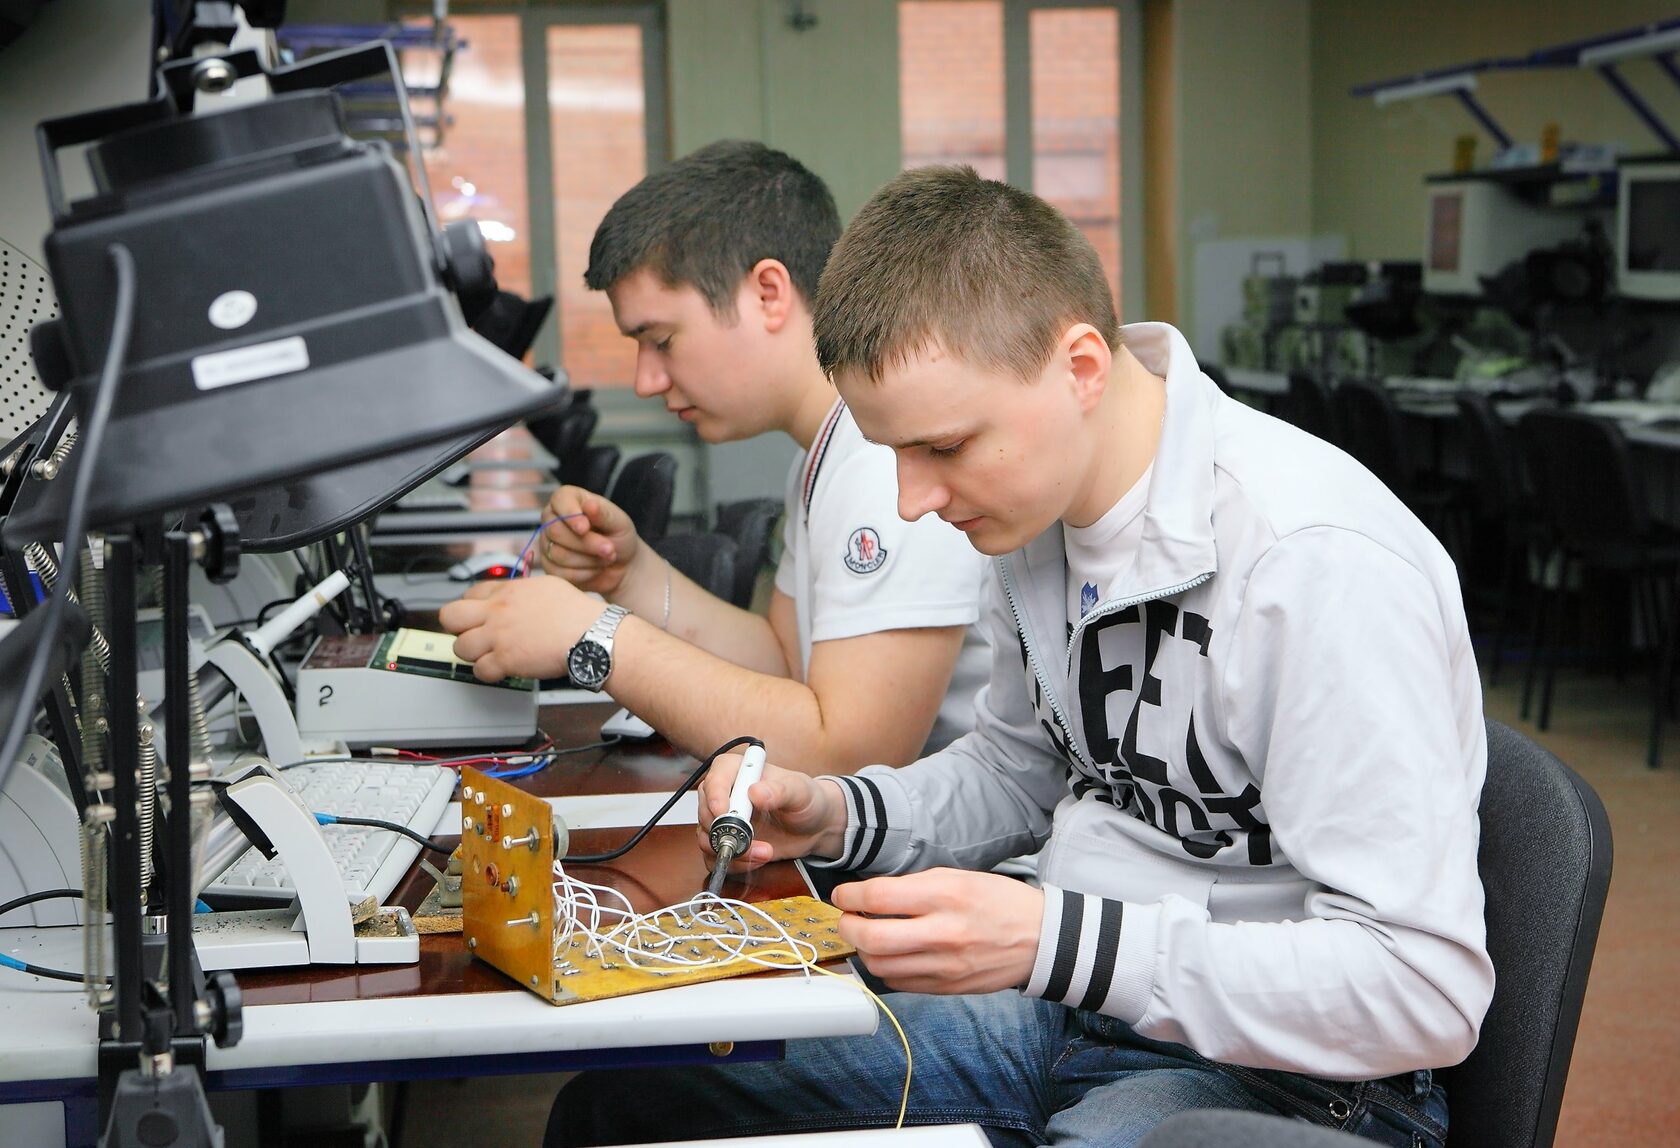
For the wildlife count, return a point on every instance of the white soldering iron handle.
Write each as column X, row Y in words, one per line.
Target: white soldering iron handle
column 752, row 768
column 269, row 635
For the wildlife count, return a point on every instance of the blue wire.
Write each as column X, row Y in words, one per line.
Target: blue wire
column 537, row 766
column 532, row 541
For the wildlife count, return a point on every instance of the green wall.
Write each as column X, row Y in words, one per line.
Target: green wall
column 1241, row 112
column 1368, row 163
column 826, row 94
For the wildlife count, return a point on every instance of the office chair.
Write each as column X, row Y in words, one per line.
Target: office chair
column 565, row 433
column 1545, row 862
column 1594, row 504
column 596, row 470
column 644, row 489
column 1499, row 501
column 512, row 323
column 1308, row 406
column 751, row 522
column 1372, row 430
column 707, row 560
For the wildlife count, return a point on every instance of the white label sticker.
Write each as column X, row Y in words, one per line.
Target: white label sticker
column 244, row 364
column 233, row 309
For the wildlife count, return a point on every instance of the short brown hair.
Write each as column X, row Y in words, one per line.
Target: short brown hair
column 991, row 273
column 706, row 220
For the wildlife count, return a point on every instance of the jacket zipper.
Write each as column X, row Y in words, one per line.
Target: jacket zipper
column 1107, row 608
column 1125, row 604
column 1038, row 672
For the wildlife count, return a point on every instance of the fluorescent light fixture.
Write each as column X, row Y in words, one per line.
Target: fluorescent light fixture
column 1435, row 86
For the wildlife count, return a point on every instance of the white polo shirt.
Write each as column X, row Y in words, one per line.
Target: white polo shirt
column 852, row 566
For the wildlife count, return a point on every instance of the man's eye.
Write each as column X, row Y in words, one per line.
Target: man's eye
column 948, row 451
column 663, row 345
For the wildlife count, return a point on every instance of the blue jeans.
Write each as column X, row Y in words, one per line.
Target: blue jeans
column 1030, row 1072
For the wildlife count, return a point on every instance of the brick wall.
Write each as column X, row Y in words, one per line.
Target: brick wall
column 952, row 104
column 596, row 117
column 484, row 142
column 597, row 120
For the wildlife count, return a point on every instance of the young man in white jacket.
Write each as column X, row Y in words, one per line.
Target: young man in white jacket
column 1233, row 698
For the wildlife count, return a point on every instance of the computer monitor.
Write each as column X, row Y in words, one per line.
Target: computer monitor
column 1474, row 227
column 1648, row 231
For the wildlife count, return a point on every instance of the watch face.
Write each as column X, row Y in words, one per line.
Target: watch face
column 588, row 665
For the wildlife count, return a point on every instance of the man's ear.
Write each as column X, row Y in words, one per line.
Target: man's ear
column 1089, row 361
column 770, row 292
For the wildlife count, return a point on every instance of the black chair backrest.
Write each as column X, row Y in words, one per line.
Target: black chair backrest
column 599, row 461
column 707, row 560
column 1309, row 406
column 750, row 522
column 565, row 436
column 1584, row 479
column 644, row 489
column 1372, row 431
column 1493, row 462
column 1545, row 864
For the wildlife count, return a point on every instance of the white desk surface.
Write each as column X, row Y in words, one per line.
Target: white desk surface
column 50, row 1034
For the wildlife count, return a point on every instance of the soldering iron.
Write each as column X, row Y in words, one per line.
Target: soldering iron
column 732, row 833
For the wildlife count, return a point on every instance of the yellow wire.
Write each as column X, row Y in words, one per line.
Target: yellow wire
column 909, row 1067
column 801, row 962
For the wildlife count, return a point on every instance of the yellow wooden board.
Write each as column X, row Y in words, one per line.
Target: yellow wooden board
column 507, row 854
column 582, row 977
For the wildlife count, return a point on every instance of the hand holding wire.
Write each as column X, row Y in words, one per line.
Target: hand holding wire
column 943, row 930
column 588, row 540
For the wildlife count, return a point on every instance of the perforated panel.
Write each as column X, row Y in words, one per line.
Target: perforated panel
column 26, row 298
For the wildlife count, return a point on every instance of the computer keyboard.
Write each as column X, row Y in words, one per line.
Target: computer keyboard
column 371, row 861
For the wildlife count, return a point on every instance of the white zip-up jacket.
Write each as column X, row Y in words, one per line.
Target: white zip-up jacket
column 1254, row 768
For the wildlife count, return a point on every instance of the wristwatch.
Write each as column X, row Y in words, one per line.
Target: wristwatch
column 590, row 661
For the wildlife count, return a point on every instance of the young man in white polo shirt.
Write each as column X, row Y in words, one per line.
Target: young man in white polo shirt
column 870, row 652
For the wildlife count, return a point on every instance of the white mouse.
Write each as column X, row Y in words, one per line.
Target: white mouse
column 486, row 564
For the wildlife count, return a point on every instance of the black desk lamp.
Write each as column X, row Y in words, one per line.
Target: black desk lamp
column 296, row 314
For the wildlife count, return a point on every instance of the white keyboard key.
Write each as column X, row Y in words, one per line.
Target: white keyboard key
column 409, row 795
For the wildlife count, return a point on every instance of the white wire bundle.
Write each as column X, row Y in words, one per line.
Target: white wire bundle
column 614, row 931
column 666, row 939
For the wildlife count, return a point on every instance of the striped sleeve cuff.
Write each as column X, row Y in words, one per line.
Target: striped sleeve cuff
column 1087, row 960
column 877, row 824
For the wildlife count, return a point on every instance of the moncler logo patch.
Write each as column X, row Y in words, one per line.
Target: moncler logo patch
column 864, row 552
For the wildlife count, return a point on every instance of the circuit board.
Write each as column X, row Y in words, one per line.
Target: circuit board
column 507, row 906
column 430, row 654
column 580, row 976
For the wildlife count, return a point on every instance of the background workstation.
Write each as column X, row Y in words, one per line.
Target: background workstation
column 1239, row 179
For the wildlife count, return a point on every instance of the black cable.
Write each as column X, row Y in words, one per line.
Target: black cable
column 32, row 898
column 91, row 442
column 364, row 572
column 262, row 614
column 25, row 966
column 689, row 782
column 375, row 823
column 604, row 743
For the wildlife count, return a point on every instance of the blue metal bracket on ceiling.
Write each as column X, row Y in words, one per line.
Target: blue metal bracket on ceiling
column 1659, row 40
column 1458, row 81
